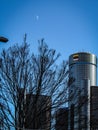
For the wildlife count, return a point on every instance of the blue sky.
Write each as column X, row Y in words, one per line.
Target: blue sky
column 68, row 26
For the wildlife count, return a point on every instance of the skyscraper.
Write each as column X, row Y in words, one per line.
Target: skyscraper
column 82, row 71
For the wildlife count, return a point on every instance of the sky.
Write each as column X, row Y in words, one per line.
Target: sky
column 68, row 26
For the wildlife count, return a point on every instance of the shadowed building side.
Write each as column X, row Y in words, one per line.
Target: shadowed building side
column 38, row 112
column 61, row 119
column 34, row 111
column 94, row 108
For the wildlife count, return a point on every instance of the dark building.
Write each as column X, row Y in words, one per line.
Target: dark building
column 19, row 111
column 34, row 111
column 83, row 71
column 62, row 119
column 38, row 112
column 94, row 108
column 72, row 117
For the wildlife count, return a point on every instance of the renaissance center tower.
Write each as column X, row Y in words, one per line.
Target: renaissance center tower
column 82, row 75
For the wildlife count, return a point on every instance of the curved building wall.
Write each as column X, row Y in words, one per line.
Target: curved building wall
column 83, row 69
column 83, row 66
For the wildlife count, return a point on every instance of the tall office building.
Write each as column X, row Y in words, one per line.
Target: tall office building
column 82, row 71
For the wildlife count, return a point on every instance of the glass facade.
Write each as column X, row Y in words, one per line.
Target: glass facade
column 82, row 68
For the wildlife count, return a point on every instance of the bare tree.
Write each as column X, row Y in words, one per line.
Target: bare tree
column 32, row 87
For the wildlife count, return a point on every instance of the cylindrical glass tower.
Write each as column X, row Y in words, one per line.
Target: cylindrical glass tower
column 82, row 75
column 83, row 65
